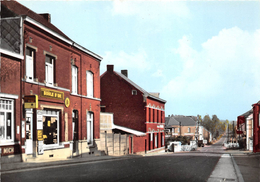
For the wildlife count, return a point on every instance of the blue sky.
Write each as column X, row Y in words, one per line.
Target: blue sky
column 202, row 56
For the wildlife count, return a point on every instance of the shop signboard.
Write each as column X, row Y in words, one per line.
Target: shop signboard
column 53, row 94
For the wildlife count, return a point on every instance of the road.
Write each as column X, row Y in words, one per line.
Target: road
column 189, row 166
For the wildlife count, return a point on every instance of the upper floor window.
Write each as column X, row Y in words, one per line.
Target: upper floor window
column 90, row 84
column 188, row 130
column 29, row 64
column 74, row 73
column 134, row 92
column 49, row 70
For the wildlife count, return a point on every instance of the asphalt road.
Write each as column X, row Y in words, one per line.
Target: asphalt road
column 192, row 166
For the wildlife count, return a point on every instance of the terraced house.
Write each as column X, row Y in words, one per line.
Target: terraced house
column 50, row 89
column 136, row 112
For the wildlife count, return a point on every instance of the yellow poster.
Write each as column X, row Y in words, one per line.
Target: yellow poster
column 49, row 123
column 40, row 135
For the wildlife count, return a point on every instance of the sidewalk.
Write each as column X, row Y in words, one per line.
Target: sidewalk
column 248, row 164
column 6, row 167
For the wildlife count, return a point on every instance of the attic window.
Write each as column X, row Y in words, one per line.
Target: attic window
column 134, row 92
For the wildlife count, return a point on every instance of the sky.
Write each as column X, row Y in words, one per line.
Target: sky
column 203, row 57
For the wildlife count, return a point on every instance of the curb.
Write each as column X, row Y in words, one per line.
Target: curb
column 26, row 166
column 237, row 171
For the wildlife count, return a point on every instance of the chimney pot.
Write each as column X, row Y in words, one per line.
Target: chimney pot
column 124, row 72
column 46, row 16
column 110, row 68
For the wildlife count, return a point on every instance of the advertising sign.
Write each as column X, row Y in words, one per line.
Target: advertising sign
column 31, row 101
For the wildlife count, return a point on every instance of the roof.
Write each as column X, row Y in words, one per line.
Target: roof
column 177, row 120
column 128, row 130
column 14, row 9
column 185, row 120
column 246, row 114
column 147, row 94
column 19, row 10
column 170, row 122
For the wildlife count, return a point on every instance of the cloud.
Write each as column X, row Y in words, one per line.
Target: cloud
column 123, row 60
column 227, row 67
column 158, row 73
column 150, row 9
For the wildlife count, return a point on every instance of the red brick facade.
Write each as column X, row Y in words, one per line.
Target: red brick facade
column 45, row 40
column 134, row 108
column 256, row 128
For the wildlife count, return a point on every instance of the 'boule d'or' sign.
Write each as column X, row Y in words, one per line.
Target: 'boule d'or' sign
column 67, row 102
column 52, row 94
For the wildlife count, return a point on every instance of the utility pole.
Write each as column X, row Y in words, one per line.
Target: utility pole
column 233, row 133
column 228, row 133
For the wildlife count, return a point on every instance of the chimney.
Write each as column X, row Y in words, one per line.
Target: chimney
column 110, row 68
column 124, row 72
column 46, row 16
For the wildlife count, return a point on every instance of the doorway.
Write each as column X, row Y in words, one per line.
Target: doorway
column 29, row 132
column 75, row 130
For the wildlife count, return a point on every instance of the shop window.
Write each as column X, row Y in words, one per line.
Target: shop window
column 6, row 120
column 49, row 70
column 29, row 64
column 74, row 73
column 90, row 84
column 51, row 127
column 90, row 133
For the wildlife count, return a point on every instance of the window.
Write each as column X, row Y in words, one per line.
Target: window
column 90, row 128
column 178, row 130
column 158, row 116
column 29, row 64
column 90, row 85
column 134, row 92
column 6, row 120
column 173, row 130
column 188, row 130
column 49, row 70
column 74, row 73
column 155, row 140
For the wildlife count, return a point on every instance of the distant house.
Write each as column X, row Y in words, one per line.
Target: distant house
column 178, row 125
column 133, row 108
column 244, row 130
column 181, row 126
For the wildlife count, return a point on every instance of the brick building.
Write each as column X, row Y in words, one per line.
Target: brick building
column 61, row 73
column 182, row 126
column 256, row 127
column 133, row 108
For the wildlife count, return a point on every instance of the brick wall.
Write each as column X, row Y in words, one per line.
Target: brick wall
column 116, row 94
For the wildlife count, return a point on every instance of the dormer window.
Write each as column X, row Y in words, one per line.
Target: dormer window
column 134, row 92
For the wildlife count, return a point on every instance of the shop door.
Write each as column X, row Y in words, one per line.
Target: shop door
column 75, row 130
column 29, row 132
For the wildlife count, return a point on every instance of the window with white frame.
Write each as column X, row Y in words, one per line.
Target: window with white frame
column 90, row 133
column 90, row 84
column 188, row 130
column 178, row 130
column 173, row 130
column 49, row 70
column 74, row 73
column 6, row 120
column 29, row 64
